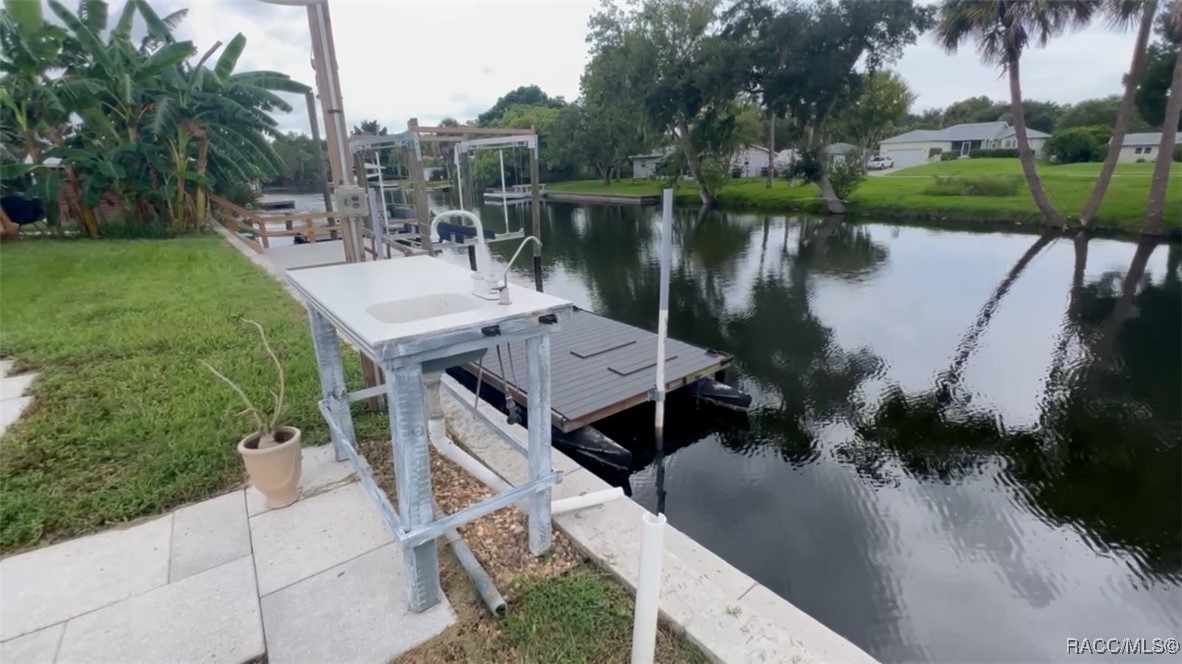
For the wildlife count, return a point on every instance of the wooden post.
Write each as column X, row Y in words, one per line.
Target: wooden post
column 320, row 171
column 536, row 212
column 419, row 182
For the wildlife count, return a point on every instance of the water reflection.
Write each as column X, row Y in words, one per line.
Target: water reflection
column 965, row 446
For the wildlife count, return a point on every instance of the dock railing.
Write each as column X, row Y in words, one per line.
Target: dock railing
column 262, row 227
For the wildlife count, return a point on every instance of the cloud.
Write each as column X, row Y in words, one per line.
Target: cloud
column 415, row 58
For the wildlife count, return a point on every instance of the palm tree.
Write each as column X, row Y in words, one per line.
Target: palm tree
column 1003, row 29
column 1154, row 225
column 1120, row 13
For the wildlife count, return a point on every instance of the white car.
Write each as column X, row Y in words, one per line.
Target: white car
column 880, row 163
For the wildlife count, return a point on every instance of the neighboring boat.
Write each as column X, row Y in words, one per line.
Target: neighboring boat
column 588, row 444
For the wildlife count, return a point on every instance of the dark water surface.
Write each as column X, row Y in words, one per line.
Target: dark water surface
column 965, row 447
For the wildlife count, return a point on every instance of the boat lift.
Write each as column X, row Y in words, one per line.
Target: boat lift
column 386, row 234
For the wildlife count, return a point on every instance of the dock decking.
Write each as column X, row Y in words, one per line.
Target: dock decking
column 600, row 367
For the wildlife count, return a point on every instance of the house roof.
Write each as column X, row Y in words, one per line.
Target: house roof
column 1030, row 133
column 972, row 131
column 840, row 148
column 1147, row 138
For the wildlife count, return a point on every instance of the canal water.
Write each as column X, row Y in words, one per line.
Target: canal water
column 964, row 446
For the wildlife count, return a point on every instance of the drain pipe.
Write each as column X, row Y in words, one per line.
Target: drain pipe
column 437, row 432
column 480, row 578
column 591, row 499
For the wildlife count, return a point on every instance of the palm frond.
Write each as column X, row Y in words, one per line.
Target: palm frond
column 93, row 13
column 228, row 60
column 123, row 24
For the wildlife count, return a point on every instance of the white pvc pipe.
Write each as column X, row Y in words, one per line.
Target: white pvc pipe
column 504, row 197
column 437, row 433
column 591, row 499
column 648, row 588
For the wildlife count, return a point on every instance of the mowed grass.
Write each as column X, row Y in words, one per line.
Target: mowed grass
column 126, row 422
column 580, row 617
column 901, row 194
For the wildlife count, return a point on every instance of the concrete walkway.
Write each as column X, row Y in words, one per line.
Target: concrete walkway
column 14, row 399
column 223, row 580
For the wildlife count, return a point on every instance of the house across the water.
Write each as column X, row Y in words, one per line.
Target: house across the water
column 922, row 145
column 1144, row 146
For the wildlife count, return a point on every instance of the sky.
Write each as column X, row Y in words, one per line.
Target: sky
column 400, row 59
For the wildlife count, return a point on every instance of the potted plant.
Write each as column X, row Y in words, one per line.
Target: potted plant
column 272, row 453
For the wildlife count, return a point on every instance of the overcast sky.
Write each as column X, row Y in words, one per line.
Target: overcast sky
column 430, row 59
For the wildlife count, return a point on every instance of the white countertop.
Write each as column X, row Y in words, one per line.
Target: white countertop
column 345, row 292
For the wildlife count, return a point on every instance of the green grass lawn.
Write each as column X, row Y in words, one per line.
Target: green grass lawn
column 126, row 421
column 901, row 194
column 578, row 617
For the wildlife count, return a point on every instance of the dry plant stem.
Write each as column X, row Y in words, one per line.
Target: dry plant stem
column 266, row 428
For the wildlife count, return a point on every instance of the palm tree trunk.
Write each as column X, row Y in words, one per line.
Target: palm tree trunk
column 1154, row 211
column 1025, row 154
column 771, row 146
column 1124, row 115
column 1123, row 310
column 970, row 341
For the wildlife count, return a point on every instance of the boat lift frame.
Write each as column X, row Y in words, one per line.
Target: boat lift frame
column 467, row 140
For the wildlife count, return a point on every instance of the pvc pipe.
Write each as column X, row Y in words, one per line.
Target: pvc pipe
column 483, row 583
column 437, row 433
column 504, row 197
column 592, row 499
column 648, row 588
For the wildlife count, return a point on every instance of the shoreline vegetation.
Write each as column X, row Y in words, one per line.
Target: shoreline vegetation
column 900, row 195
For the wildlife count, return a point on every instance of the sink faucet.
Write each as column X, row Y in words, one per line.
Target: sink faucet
column 484, row 272
column 503, row 288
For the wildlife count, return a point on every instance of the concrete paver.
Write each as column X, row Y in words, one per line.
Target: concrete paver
column 208, row 534
column 313, row 535
column 33, row 648
column 11, row 411
column 336, row 616
column 12, row 387
column 209, row 617
column 50, row 585
column 320, row 471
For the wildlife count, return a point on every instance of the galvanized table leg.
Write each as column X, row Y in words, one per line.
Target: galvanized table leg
column 412, row 475
column 332, row 378
column 538, row 352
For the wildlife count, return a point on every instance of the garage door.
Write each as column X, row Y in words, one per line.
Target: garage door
column 905, row 158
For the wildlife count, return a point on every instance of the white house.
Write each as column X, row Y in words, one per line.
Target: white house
column 836, row 153
column 1143, row 146
column 751, row 161
column 919, row 146
column 644, row 166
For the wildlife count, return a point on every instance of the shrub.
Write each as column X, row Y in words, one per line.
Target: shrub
column 1178, row 153
column 997, row 153
column 934, row 152
column 845, row 175
column 1079, row 144
column 949, row 156
column 807, row 168
column 973, row 186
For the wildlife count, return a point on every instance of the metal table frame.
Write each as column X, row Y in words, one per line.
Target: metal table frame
column 414, row 524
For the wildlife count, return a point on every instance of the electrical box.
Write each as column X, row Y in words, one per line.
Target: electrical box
column 350, row 201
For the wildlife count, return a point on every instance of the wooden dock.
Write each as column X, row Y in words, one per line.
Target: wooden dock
column 610, row 199
column 600, row 367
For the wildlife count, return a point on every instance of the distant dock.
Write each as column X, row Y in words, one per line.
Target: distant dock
column 272, row 206
column 611, row 199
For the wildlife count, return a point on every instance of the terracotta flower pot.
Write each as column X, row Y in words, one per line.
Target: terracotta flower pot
column 275, row 471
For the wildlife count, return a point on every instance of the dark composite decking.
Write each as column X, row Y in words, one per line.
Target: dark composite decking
column 599, row 367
